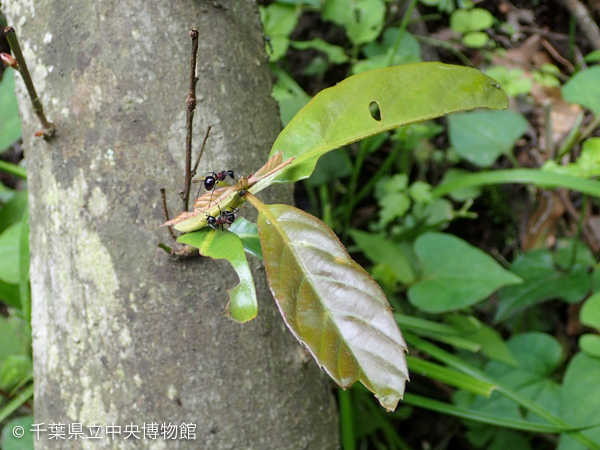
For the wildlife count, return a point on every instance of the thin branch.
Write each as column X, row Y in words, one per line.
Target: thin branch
column 190, row 106
column 48, row 128
column 166, row 212
column 201, row 151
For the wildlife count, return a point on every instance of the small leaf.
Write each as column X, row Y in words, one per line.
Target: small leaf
column 592, row 57
column 590, row 312
column 215, row 244
column 335, row 53
column 475, row 39
column 586, row 166
column 584, row 89
column 331, row 304
column 542, row 281
column 381, row 250
column 481, row 136
column 289, row 95
column 248, row 233
column 466, row 20
column 590, row 344
column 362, row 19
column 278, row 23
column 405, row 94
column 462, row 194
column 581, row 395
column 455, row 274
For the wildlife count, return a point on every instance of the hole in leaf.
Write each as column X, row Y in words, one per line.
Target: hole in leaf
column 375, row 111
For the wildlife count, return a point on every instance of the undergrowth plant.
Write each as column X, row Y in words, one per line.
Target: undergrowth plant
column 392, row 195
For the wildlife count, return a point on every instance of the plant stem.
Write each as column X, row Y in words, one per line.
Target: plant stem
column 48, row 128
column 13, row 169
column 578, row 232
column 190, row 107
column 401, row 30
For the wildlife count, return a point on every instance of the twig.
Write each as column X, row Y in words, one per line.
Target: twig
column 166, row 212
column 585, row 21
column 191, row 106
column 201, row 151
column 49, row 129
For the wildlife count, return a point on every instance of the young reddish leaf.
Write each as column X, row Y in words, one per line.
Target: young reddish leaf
column 331, row 304
column 227, row 197
column 215, row 244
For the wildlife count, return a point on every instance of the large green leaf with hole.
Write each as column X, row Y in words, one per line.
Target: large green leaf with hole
column 404, row 94
column 217, row 244
column 331, row 304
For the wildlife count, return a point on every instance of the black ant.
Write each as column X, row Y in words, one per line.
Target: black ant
column 224, row 218
column 211, row 180
column 215, row 177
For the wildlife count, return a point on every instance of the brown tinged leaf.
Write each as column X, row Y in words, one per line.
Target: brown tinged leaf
column 331, row 304
column 213, row 202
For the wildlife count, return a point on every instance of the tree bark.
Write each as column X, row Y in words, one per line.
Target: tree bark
column 122, row 333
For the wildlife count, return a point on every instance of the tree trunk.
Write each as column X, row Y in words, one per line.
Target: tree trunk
column 122, row 333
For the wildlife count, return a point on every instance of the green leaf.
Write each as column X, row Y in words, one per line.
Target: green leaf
column 581, row 398
column 481, row 136
column 10, row 124
column 586, row 166
column 14, row 337
column 491, row 343
column 538, row 356
column 584, row 89
column 9, row 294
column 9, row 254
column 455, row 274
column 592, row 57
column 362, row 19
column 462, row 194
column 381, row 250
column 466, row 20
column 335, row 53
column 331, row 304
column 590, row 344
column 542, row 281
column 217, row 244
column 475, row 39
column 15, row 403
column 497, row 420
column 9, row 442
column 13, row 210
column 278, row 22
column 449, row 376
column 405, row 94
column 334, row 165
column 289, row 95
column 534, row 176
column 513, row 81
column 15, row 369
column 378, row 55
column 590, row 312
column 248, row 233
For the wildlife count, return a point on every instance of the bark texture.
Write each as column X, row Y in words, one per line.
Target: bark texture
column 122, row 333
